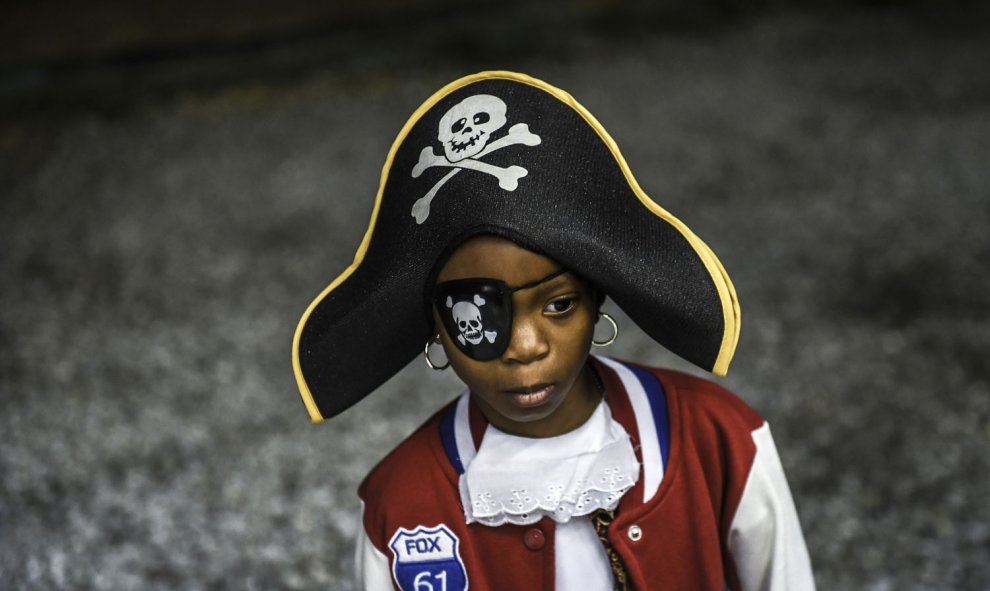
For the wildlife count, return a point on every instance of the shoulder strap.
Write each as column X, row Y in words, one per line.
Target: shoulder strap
column 649, row 403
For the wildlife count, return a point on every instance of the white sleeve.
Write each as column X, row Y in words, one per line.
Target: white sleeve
column 372, row 569
column 765, row 538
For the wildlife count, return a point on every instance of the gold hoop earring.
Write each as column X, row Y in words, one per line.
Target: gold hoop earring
column 615, row 331
column 426, row 354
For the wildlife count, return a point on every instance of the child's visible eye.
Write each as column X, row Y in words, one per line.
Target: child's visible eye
column 561, row 305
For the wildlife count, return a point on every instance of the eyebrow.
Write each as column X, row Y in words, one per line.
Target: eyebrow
column 539, row 281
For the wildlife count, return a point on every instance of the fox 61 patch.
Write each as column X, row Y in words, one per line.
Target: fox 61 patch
column 428, row 559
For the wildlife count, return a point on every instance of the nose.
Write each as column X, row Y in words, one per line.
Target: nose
column 527, row 343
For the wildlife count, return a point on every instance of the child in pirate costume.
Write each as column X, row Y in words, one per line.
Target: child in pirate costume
column 504, row 217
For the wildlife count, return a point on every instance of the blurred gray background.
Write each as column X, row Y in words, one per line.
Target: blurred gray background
column 178, row 181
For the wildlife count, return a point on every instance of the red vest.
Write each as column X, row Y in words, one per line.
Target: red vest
column 671, row 537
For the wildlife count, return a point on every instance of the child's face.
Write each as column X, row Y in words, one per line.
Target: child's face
column 539, row 386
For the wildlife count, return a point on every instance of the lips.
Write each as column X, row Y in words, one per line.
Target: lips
column 529, row 396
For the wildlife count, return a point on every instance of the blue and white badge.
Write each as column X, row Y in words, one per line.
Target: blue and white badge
column 427, row 559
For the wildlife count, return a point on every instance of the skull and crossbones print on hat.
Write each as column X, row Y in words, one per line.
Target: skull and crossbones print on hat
column 505, row 154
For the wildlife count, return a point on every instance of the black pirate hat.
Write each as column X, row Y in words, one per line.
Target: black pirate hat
column 505, row 154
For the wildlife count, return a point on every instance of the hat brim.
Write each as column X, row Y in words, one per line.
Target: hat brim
column 577, row 202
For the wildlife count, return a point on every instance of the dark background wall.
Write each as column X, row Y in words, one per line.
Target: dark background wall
column 177, row 182
column 58, row 31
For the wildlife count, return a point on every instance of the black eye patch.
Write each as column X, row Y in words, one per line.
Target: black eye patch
column 477, row 313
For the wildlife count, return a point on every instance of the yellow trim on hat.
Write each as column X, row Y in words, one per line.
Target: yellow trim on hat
column 307, row 395
column 727, row 292
column 731, row 313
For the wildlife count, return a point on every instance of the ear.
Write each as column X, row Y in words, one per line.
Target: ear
column 599, row 299
column 478, row 300
column 450, row 302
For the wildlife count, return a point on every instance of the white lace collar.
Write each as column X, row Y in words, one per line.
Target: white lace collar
column 520, row 480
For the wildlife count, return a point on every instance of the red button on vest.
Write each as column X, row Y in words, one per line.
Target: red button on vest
column 534, row 539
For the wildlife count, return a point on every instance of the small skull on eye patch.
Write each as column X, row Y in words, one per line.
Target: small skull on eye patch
column 477, row 314
column 467, row 316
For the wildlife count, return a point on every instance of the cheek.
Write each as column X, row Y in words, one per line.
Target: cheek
column 479, row 379
column 582, row 331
